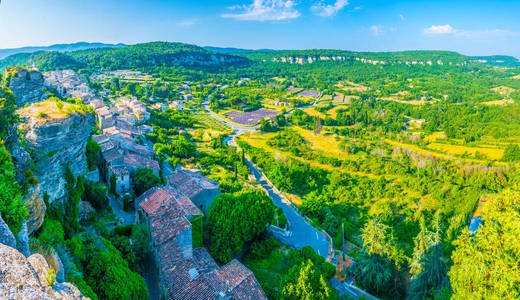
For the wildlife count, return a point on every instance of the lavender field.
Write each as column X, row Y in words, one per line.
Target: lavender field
column 313, row 94
column 251, row 117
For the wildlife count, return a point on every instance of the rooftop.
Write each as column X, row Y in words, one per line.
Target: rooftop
column 141, row 162
column 112, row 155
column 191, row 183
column 195, row 276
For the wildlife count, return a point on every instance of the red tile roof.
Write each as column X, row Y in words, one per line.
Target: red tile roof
column 154, row 199
column 191, row 183
column 195, row 276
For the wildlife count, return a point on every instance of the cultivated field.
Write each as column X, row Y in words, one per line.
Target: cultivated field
column 251, row 117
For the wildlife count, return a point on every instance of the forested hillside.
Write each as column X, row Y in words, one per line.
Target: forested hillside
column 149, row 55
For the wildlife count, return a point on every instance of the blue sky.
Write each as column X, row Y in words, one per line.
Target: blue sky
column 471, row 27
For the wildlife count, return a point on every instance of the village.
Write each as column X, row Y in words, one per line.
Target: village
column 173, row 212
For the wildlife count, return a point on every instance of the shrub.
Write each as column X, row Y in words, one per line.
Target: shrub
column 51, row 277
column 144, row 179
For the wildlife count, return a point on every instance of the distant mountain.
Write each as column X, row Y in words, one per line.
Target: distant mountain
column 235, row 50
column 499, row 60
column 147, row 55
column 58, row 47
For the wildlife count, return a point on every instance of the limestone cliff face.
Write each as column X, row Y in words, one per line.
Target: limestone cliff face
column 36, row 207
column 26, row 85
column 6, row 236
column 26, row 278
column 54, row 144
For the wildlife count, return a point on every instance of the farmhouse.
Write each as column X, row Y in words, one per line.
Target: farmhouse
column 186, row 270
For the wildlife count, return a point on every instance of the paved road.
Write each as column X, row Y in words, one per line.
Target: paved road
column 301, row 232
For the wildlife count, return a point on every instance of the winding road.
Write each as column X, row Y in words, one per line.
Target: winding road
column 301, row 233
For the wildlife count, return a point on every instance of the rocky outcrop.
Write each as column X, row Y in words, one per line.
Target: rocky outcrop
column 36, row 207
column 55, row 143
column 6, row 236
column 26, row 85
column 23, row 240
column 26, row 278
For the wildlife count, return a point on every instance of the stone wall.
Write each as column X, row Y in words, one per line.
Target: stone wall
column 204, row 199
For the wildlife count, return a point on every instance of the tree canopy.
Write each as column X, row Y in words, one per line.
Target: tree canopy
column 235, row 219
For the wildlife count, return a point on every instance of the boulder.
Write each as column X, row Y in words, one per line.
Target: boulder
column 6, row 236
column 22, row 278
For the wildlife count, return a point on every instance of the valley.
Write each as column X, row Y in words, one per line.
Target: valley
column 192, row 173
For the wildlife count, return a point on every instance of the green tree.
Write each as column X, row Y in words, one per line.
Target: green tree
column 12, row 209
column 75, row 189
column 144, row 179
column 511, row 153
column 7, row 111
column 234, row 219
column 92, row 151
column 485, row 265
column 96, row 194
column 423, row 242
column 377, row 274
column 305, row 282
column 433, row 268
column 110, row 277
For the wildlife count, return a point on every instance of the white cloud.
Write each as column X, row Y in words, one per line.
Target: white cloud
column 264, row 10
column 401, row 17
column 328, row 10
column 440, row 29
column 376, row 29
column 187, row 22
column 450, row 31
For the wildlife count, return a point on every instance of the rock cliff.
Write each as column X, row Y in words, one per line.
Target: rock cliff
column 26, row 85
column 6, row 236
column 27, row 278
column 55, row 138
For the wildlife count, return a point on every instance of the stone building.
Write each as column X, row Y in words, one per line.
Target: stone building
column 185, row 268
column 201, row 190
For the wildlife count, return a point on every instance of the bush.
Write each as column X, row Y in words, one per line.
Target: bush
column 110, row 277
column 52, row 232
column 511, row 153
column 144, row 179
column 96, row 194
column 12, row 209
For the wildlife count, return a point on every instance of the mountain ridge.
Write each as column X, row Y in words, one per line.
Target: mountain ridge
column 57, row 47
